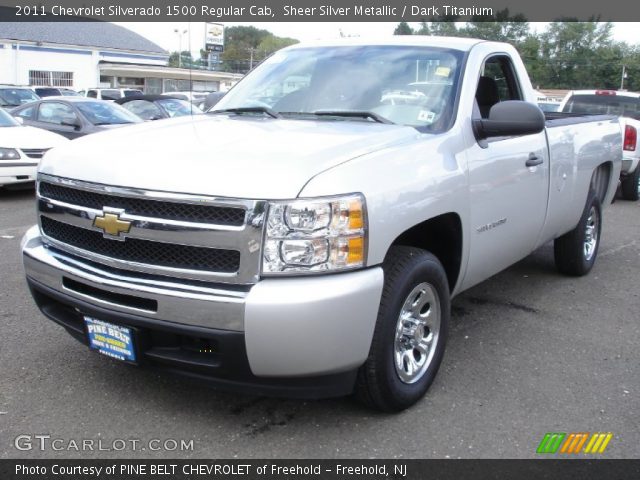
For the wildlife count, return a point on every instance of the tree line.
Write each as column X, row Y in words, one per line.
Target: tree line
column 567, row 55
column 244, row 48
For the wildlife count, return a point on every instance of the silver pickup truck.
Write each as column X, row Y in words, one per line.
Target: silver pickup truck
column 306, row 237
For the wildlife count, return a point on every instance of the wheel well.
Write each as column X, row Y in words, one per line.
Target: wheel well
column 442, row 236
column 600, row 180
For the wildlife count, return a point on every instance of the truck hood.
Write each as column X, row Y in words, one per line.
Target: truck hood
column 219, row 155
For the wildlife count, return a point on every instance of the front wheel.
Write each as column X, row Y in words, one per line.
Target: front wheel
column 410, row 334
column 575, row 252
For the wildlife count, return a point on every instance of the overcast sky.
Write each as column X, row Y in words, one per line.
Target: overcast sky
column 163, row 33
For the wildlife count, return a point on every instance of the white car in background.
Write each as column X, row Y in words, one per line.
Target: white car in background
column 21, row 149
column 196, row 98
column 193, row 97
column 626, row 105
column 111, row 93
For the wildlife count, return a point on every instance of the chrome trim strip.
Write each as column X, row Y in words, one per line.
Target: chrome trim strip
column 152, row 229
column 203, row 306
column 149, row 194
column 5, row 163
column 142, row 267
column 246, row 238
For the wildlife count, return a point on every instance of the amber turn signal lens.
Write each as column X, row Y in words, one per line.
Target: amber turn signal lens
column 356, row 220
column 356, row 250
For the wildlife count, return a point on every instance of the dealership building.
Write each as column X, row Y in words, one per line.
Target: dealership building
column 82, row 55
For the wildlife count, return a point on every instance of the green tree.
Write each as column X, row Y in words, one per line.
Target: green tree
column 244, row 47
column 505, row 28
column 403, row 28
column 529, row 50
column 579, row 54
column 631, row 61
column 176, row 59
column 271, row 43
column 444, row 26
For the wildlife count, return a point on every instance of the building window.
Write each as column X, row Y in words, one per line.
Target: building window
column 50, row 79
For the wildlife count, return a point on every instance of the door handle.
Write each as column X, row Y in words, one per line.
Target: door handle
column 533, row 160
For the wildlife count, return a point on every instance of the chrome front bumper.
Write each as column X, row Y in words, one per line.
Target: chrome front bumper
column 181, row 302
column 292, row 327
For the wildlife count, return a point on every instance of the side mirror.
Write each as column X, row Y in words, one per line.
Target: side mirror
column 75, row 124
column 20, row 120
column 512, row 117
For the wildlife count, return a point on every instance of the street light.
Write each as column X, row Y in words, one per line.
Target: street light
column 180, row 33
column 624, row 75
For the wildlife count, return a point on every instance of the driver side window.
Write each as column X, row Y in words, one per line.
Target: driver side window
column 57, row 113
column 497, row 83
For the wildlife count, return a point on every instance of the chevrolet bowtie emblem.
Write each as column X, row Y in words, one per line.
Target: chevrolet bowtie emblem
column 111, row 224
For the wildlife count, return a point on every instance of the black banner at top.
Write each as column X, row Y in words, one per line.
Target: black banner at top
column 308, row 11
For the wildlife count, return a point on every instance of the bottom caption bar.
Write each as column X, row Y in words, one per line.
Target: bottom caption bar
column 316, row 469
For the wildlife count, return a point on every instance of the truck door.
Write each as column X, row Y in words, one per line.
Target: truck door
column 508, row 180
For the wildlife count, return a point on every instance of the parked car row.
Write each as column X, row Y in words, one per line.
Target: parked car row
column 15, row 95
column 21, row 148
column 157, row 107
column 30, row 125
column 73, row 117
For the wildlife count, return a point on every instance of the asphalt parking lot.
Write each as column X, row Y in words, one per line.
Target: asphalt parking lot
column 529, row 352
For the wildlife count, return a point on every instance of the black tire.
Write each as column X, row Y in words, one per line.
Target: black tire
column 379, row 384
column 571, row 256
column 630, row 185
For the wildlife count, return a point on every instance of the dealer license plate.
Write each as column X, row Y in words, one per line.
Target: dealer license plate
column 111, row 340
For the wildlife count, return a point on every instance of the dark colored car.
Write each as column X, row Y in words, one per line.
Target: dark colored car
column 43, row 92
column 74, row 116
column 212, row 99
column 11, row 96
column 157, row 107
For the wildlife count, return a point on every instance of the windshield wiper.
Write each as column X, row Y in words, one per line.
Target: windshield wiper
column 353, row 114
column 265, row 110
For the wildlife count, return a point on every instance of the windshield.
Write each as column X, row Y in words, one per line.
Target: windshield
column 131, row 93
column 47, row 92
column 12, row 97
column 7, row 120
column 413, row 86
column 110, row 94
column 604, row 104
column 103, row 113
column 178, row 108
column 69, row 93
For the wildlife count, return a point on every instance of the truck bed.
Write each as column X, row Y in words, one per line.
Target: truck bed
column 557, row 119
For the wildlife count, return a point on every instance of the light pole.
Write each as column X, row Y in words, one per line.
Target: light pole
column 180, row 33
column 624, row 75
column 251, row 50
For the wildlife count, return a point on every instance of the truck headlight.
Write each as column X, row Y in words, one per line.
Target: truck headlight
column 9, row 154
column 315, row 235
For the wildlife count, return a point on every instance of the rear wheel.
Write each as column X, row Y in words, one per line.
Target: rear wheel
column 411, row 330
column 575, row 252
column 631, row 186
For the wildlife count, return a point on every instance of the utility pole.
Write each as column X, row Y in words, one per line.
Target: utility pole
column 180, row 33
column 624, row 75
column 251, row 61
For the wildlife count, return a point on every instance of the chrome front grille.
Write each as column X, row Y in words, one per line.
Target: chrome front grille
column 135, row 250
column 34, row 152
column 152, row 208
column 177, row 235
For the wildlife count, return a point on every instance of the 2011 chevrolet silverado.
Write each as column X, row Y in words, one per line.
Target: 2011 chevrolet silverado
column 305, row 238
